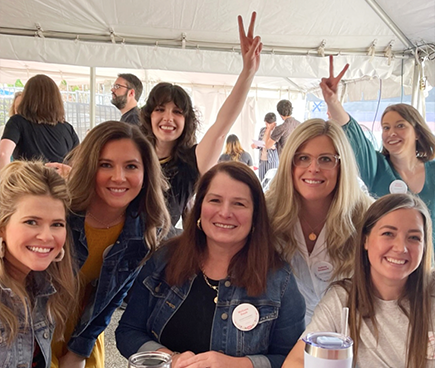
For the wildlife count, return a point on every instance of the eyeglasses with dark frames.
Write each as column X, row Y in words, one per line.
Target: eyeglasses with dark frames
column 118, row 86
column 325, row 161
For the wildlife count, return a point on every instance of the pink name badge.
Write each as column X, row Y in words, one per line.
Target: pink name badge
column 245, row 317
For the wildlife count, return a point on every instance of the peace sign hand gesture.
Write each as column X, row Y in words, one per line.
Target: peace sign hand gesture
column 329, row 88
column 250, row 46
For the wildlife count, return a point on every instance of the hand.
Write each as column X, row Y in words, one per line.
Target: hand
column 250, row 46
column 62, row 169
column 329, row 85
column 253, row 145
column 71, row 360
column 180, row 358
column 212, row 359
column 271, row 126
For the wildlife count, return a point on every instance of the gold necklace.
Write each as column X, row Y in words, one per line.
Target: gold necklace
column 106, row 225
column 312, row 236
column 215, row 288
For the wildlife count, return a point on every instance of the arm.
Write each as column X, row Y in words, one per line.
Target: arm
column 83, row 344
column 296, row 357
column 6, row 149
column 207, row 151
column 132, row 333
column 329, row 88
column 213, row 359
column 269, row 142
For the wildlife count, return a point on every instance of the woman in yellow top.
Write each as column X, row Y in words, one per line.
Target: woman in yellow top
column 118, row 209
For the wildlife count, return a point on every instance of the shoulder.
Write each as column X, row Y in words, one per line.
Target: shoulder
column 17, row 120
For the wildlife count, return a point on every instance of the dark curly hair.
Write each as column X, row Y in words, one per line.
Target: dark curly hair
column 161, row 94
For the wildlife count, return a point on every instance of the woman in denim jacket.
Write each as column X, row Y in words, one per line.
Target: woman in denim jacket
column 218, row 293
column 117, row 196
column 37, row 283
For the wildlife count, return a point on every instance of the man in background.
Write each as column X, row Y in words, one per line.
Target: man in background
column 278, row 135
column 126, row 92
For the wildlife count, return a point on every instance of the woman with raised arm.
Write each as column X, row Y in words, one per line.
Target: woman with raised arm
column 170, row 123
column 391, row 297
column 219, row 293
column 406, row 161
column 315, row 205
column 119, row 217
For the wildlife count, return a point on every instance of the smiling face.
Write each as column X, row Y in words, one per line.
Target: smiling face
column 398, row 135
column 226, row 213
column 119, row 176
column 167, row 122
column 313, row 183
column 395, row 249
column 34, row 234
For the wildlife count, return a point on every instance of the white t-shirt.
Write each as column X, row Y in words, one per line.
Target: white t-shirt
column 390, row 350
column 312, row 271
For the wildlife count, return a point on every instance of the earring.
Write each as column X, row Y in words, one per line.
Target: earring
column 60, row 255
column 198, row 224
column 2, row 248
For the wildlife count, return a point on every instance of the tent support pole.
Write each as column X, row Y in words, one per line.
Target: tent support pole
column 93, row 83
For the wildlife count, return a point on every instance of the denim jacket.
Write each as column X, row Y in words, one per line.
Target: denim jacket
column 121, row 265
column 154, row 302
column 20, row 353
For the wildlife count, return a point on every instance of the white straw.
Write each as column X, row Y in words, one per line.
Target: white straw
column 344, row 321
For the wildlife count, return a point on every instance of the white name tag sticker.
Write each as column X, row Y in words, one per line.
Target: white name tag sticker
column 323, row 270
column 398, row 186
column 245, row 317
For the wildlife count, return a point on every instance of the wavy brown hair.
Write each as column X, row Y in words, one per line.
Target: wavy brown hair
column 250, row 266
column 415, row 301
column 19, row 179
column 149, row 202
column 425, row 143
column 42, row 102
column 161, row 94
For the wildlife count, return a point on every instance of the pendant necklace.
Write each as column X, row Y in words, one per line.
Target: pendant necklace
column 215, row 288
column 106, row 225
column 312, row 235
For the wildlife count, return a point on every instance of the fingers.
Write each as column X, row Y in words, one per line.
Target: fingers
column 251, row 25
column 331, row 66
column 241, row 28
column 342, row 72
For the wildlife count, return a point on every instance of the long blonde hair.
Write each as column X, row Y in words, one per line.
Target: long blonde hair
column 348, row 204
column 417, row 291
column 233, row 148
column 19, row 179
column 150, row 200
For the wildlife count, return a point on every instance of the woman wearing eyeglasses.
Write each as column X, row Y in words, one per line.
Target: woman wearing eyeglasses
column 315, row 204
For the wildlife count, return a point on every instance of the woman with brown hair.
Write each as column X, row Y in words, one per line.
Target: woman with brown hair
column 119, row 217
column 39, row 129
column 235, row 152
column 391, row 297
column 193, row 295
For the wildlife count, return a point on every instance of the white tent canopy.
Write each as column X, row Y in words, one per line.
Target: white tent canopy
column 199, row 36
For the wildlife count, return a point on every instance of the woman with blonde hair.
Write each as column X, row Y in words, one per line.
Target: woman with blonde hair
column 391, row 296
column 119, row 217
column 315, row 205
column 18, row 96
column 39, row 129
column 37, row 282
column 235, row 152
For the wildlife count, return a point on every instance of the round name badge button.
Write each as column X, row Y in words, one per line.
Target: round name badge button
column 245, row 317
column 323, row 270
column 398, row 186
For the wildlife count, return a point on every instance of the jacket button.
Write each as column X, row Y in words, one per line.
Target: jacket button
column 157, row 289
column 45, row 335
column 227, row 283
column 224, row 316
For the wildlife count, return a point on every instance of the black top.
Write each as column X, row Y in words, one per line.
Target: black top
column 189, row 329
column 40, row 141
column 131, row 116
column 182, row 176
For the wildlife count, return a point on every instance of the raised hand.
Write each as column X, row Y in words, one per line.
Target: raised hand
column 329, row 88
column 250, row 46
